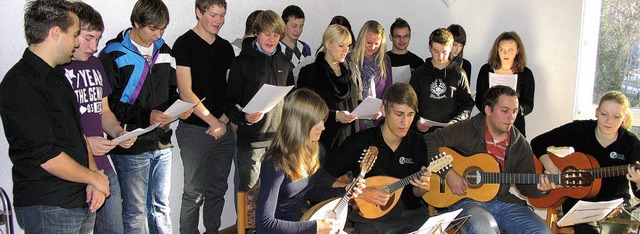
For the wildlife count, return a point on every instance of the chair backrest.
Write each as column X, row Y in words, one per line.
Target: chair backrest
column 552, row 221
column 247, row 204
column 6, row 214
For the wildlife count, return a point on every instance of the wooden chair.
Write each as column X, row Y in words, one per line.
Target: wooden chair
column 552, row 221
column 247, row 204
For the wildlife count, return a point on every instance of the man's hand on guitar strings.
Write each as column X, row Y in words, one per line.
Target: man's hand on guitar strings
column 422, row 182
column 457, row 184
column 545, row 185
column 375, row 195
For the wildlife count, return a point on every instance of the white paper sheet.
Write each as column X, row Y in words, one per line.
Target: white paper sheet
column 438, row 224
column 306, row 61
column 503, row 79
column 266, row 98
column 135, row 133
column 584, row 212
column 433, row 123
column 179, row 107
column 401, row 74
column 369, row 107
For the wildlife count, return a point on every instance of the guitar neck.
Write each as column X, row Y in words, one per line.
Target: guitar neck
column 403, row 182
column 612, row 171
column 344, row 202
column 512, row 178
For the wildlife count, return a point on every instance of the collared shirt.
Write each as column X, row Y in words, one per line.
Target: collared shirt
column 41, row 120
column 497, row 149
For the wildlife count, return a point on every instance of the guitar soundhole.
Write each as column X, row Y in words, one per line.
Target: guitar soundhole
column 473, row 177
column 331, row 215
column 389, row 203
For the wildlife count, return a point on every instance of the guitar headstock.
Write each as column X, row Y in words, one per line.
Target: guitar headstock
column 577, row 178
column 440, row 162
column 369, row 156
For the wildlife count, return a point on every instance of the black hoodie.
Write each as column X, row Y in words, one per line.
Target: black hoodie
column 249, row 71
column 443, row 95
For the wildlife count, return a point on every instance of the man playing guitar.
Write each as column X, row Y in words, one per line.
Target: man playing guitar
column 401, row 153
column 493, row 132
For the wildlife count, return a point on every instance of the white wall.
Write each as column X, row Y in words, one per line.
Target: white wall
column 550, row 30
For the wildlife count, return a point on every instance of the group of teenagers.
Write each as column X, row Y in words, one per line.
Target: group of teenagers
column 77, row 103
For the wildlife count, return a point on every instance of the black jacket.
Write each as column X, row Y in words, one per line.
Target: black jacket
column 126, row 68
column 340, row 94
column 249, row 71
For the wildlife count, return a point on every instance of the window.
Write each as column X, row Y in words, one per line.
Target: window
column 609, row 57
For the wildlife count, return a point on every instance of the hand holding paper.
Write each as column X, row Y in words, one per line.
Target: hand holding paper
column 266, row 99
column 368, row 108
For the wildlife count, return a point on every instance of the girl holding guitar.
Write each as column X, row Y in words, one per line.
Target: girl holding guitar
column 609, row 142
column 290, row 169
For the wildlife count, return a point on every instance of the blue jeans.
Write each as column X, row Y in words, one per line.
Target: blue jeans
column 207, row 163
column 145, row 180
column 109, row 216
column 491, row 216
column 53, row 219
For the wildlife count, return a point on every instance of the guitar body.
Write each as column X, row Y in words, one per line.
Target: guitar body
column 372, row 211
column 571, row 162
column 441, row 196
column 320, row 210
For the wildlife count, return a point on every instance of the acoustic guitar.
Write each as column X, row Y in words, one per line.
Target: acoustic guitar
column 395, row 186
column 482, row 173
column 336, row 208
column 577, row 162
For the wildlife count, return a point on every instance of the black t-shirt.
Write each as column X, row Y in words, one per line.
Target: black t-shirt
column 209, row 64
column 408, row 158
column 399, row 60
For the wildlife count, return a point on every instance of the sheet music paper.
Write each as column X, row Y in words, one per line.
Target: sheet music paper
column 266, row 98
column 401, row 74
column 438, row 224
column 305, row 61
column 433, row 123
column 135, row 133
column 369, row 107
column 510, row 80
column 584, row 212
column 179, row 107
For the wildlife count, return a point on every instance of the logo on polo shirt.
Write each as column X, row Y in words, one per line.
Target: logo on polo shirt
column 614, row 155
column 404, row 160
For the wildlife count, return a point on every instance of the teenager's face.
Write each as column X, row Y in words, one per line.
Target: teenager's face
column 507, row 50
column 88, row 44
column 372, row 44
column 316, row 131
column 336, row 51
column 212, row 19
column 293, row 28
column 500, row 119
column 440, row 53
column 268, row 41
column 401, row 38
column 610, row 116
column 148, row 34
column 456, row 49
column 398, row 119
column 68, row 41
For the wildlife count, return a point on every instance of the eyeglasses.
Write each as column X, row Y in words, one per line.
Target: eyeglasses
column 407, row 36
